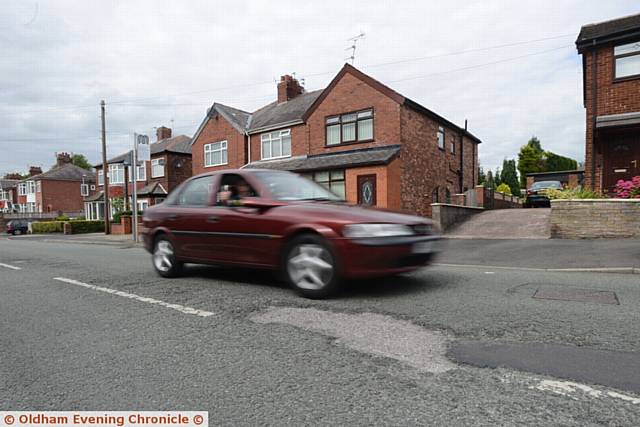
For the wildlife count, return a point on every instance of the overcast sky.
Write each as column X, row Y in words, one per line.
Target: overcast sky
column 165, row 62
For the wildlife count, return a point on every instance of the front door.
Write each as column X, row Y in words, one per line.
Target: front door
column 621, row 159
column 367, row 190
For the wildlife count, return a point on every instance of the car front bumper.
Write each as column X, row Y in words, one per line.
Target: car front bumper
column 537, row 200
column 370, row 257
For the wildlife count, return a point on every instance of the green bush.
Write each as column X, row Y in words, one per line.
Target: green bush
column 47, row 227
column 80, row 218
column 504, row 188
column 79, row 227
column 62, row 218
column 573, row 193
column 118, row 215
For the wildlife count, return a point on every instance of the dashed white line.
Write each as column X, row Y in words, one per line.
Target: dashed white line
column 12, row 267
column 178, row 307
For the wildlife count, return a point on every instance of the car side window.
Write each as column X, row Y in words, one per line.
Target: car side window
column 233, row 190
column 197, row 192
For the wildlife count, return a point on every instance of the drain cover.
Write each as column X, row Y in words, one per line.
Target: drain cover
column 581, row 295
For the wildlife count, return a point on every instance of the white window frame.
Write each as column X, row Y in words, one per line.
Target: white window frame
column 441, row 137
column 221, row 147
column 155, row 163
column 31, row 187
column 22, row 189
column 275, row 137
column 141, row 173
column 623, row 52
column 100, row 177
column 116, row 170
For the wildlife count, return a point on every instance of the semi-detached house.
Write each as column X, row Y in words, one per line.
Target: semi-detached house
column 358, row 137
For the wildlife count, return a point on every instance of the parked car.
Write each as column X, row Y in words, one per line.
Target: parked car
column 17, row 226
column 281, row 221
column 536, row 195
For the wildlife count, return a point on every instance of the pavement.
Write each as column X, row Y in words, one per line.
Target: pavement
column 88, row 327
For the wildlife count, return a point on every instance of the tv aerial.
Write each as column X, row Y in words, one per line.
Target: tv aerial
column 352, row 48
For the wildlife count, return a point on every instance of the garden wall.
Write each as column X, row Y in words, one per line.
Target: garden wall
column 595, row 218
column 446, row 215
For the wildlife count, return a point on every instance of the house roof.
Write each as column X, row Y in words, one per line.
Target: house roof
column 66, row 172
column 180, row 144
column 298, row 109
column 96, row 197
column 618, row 30
column 152, row 189
column 360, row 157
column 289, row 112
column 8, row 183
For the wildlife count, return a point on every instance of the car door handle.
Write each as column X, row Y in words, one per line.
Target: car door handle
column 212, row 219
column 172, row 217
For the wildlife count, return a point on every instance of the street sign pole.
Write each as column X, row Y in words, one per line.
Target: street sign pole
column 134, row 190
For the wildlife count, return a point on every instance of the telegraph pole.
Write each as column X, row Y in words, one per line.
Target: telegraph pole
column 105, row 175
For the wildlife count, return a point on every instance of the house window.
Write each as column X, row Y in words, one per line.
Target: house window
column 142, row 205
column 100, row 177
column 141, row 173
column 452, row 145
column 157, row 168
column 276, row 144
column 22, row 189
column 331, row 180
column 215, row 154
column 627, row 60
column 116, row 174
column 38, row 186
column 31, row 187
column 351, row 127
column 441, row 137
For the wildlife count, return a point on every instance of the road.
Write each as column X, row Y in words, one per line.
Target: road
column 90, row 327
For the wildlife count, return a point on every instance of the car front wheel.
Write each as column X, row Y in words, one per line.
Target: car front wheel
column 164, row 258
column 310, row 267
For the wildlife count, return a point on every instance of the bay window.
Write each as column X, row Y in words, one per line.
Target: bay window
column 216, row 154
column 350, row 127
column 276, row 144
column 332, row 180
column 116, row 174
column 157, row 167
column 627, row 60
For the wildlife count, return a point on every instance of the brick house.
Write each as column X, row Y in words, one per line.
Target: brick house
column 170, row 165
column 358, row 137
column 60, row 189
column 611, row 84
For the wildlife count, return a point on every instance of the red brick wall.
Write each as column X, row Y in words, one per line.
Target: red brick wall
column 218, row 129
column 61, row 196
column 612, row 98
column 425, row 166
column 352, row 94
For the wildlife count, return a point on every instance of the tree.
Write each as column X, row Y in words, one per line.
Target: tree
column 504, row 188
column 555, row 162
column 490, row 182
column 530, row 160
column 81, row 161
column 497, row 177
column 509, row 176
column 482, row 177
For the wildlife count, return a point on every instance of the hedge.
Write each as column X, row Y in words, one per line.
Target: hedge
column 78, row 227
column 47, row 227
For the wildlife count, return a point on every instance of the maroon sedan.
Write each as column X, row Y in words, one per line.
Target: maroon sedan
column 282, row 221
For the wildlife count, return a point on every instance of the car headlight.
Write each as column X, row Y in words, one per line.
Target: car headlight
column 359, row 231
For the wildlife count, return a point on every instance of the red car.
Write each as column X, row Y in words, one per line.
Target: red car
column 282, row 221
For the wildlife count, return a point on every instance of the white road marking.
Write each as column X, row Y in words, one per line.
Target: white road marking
column 13, row 267
column 489, row 272
column 575, row 390
column 178, row 307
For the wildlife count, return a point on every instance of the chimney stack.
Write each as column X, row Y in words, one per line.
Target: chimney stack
column 35, row 170
column 288, row 88
column 63, row 159
column 163, row 133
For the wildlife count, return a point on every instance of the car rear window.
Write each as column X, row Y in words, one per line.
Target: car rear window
column 546, row 184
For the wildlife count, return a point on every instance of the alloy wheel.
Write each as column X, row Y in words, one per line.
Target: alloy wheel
column 163, row 256
column 310, row 266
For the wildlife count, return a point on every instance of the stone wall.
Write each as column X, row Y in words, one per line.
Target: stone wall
column 446, row 215
column 595, row 218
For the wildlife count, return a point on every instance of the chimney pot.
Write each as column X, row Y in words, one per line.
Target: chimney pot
column 63, row 159
column 35, row 170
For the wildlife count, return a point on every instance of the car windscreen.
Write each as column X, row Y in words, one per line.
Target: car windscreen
column 546, row 184
column 287, row 186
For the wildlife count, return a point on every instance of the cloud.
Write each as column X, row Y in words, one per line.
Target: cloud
column 163, row 63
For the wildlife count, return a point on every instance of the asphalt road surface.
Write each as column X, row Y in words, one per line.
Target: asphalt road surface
column 89, row 327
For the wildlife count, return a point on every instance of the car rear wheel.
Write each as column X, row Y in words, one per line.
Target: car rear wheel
column 310, row 267
column 17, row 232
column 164, row 258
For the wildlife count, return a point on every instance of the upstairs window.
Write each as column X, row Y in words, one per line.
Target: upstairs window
column 141, row 173
column 627, row 59
column 452, row 145
column 100, row 178
column 38, row 186
column 116, row 174
column 351, row 127
column 215, row 154
column 276, row 144
column 22, row 189
column 441, row 137
column 157, row 167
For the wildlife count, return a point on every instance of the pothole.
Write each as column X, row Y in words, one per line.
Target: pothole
column 370, row 333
